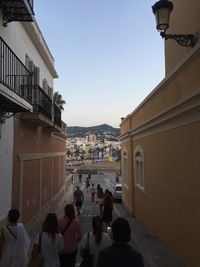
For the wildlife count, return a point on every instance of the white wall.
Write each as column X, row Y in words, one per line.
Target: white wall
column 20, row 42
column 6, row 167
column 17, row 39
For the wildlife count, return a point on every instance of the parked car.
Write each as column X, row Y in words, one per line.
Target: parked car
column 117, row 192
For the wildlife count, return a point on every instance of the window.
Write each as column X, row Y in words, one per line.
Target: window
column 45, row 86
column 139, row 168
column 125, row 163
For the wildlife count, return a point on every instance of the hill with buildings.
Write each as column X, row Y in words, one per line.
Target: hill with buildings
column 99, row 131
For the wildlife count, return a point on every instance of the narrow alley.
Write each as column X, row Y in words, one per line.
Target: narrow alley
column 155, row 254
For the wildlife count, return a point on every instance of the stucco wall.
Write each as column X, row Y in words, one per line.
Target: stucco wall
column 32, row 168
column 173, row 90
column 184, row 20
column 128, row 186
column 6, row 157
column 21, row 44
column 36, row 166
column 170, row 205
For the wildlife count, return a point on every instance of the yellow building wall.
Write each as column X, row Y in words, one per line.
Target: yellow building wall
column 181, row 85
column 125, row 125
column 128, row 188
column 184, row 19
column 170, row 205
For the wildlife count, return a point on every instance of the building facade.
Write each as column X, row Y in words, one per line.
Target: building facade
column 32, row 134
column 160, row 145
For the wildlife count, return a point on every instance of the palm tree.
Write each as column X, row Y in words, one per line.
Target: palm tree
column 58, row 100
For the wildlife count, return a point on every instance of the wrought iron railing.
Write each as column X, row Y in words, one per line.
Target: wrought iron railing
column 57, row 115
column 42, row 102
column 13, row 73
column 31, row 2
column 16, row 77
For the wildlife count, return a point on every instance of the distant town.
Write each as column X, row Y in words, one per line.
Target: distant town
column 98, row 142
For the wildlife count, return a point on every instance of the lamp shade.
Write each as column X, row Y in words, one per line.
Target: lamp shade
column 162, row 10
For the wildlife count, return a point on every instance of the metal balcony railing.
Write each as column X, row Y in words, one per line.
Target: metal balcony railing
column 41, row 102
column 13, row 73
column 16, row 78
column 31, row 2
column 57, row 115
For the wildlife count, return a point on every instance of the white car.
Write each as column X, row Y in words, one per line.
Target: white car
column 117, row 192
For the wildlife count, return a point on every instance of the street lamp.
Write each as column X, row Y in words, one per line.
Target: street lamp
column 162, row 10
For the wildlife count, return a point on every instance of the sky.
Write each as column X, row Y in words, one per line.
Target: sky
column 108, row 55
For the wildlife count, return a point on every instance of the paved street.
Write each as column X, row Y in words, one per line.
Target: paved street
column 155, row 254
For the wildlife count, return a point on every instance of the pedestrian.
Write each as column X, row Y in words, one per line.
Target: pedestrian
column 97, row 240
column 14, row 242
column 93, row 192
column 78, row 199
column 87, row 182
column 107, row 207
column 80, row 178
column 120, row 253
column 98, row 188
column 100, row 200
column 117, row 177
column 49, row 241
column 70, row 228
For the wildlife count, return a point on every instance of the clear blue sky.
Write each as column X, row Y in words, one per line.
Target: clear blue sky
column 108, row 55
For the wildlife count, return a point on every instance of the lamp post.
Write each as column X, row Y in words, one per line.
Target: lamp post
column 162, row 10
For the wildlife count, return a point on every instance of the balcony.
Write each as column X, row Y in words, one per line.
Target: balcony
column 18, row 94
column 57, row 116
column 45, row 113
column 42, row 102
column 15, row 82
column 16, row 10
column 42, row 109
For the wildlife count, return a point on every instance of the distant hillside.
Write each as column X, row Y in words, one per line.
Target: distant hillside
column 78, row 131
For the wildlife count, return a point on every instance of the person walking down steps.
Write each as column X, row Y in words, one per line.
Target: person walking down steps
column 93, row 192
column 50, row 242
column 96, row 240
column 69, row 227
column 120, row 253
column 78, row 199
column 14, row 242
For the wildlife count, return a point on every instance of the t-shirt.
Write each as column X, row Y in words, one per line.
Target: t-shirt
column 16, row 246
column 94, row 248
column 50, row 249
column 78, row 195
column 92, row 190
column 121, row 255
column 71, row 234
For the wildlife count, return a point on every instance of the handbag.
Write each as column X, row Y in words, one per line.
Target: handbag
column 38, row 260
column 88, row 258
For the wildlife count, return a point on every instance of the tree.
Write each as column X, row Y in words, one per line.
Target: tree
column 58, row 100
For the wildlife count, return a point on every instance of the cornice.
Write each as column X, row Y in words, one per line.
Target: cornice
column 33, row 31
column 186, row 60
column 184, row 113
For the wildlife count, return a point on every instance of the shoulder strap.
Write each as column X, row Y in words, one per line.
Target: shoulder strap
column 88, row 246
column 66, row 227
column 2, row 237
column 11, row 232
column 40, row 241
